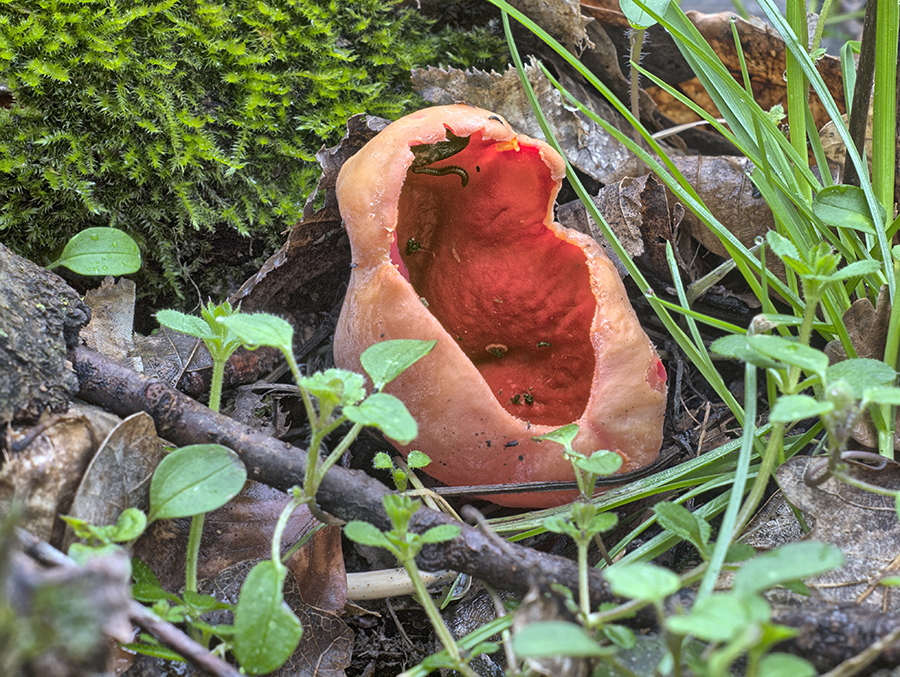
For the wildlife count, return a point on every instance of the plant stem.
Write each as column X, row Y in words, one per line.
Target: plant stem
column 434, row 616
column 298, row 499
column 584, row 597
column 192, row 554
column 215, row 386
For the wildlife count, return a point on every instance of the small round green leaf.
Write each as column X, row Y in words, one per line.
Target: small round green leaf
column 194, row 480
column 644, row 582
column 100, row 251
column 601, row 462
column 677, row 519
column 417, row 459
column 337, row 385
column 861, row 373
column 791, row 562
column 186, row 324
column 785, row 665
column 130, row 525
column 883, row 395
column 844, row 206
column 792, row 352
column 385, row 361
column 563, row 436
column 440, row 533
column 386, row 413
column 261, row 329
column 266, row 631
column 365, row 534
column 798, row 407
column 639, row 17
column 719, row 618
column 556, row 638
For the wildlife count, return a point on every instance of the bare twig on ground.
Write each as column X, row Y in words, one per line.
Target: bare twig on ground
column 347, row 494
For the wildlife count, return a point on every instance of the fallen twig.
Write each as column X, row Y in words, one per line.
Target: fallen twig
column 347, row 494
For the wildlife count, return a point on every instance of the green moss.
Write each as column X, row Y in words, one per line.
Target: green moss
column 188, row 123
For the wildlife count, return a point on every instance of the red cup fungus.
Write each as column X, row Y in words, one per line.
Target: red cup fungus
column 450, row 218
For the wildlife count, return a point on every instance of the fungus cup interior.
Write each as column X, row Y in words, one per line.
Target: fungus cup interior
column 472, row 239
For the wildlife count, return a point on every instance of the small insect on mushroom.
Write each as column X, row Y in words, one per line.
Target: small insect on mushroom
column 497, row 349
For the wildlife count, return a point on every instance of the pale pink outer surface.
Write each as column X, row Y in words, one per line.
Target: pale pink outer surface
column 455, row 409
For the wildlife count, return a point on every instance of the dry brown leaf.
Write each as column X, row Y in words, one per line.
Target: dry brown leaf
column 561, row 18
column 867, row 326
column 44, row 475
column 637, row 210
column 111, row 327
column 588, row 146
column 862, row 524
column 119, row 474
column 321, row 583
column 723, row 183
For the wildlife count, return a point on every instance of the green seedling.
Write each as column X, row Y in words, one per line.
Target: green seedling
column 400, row 476
column 100, row 251
column 194, row 480
column 220, row 341
column 584, row 522
column 340, row 394
column 405, row 545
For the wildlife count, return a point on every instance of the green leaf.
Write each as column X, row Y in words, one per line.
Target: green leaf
column 386, row 413
column 861, row 373
column 736, row 346
column 556, row 638
column 560, row 524
column 382, row 461
column 335, row 386
column 789, row 351
column 266, row 631
column 856, row 269
column 563, row 436
column 261, row 329
column 385, row 361
column 718, row 618
column 601, row 462
column 883, row 395
column 786, row 251
column 623, row 637
column 130, row 525
column 677, row 519
column 194, row 480
column 186, row 324
column 81, row 553
column 785, row 665
column 637, row 16
column 844, row 206
column 440, row 533
column 798, row 407
column 791, row 562
column 366, row 534
column 417, row 459
column 100, row 251
column 644, row 582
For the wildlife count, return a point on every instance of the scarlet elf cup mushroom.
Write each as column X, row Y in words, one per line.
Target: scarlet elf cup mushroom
column 450, row 218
